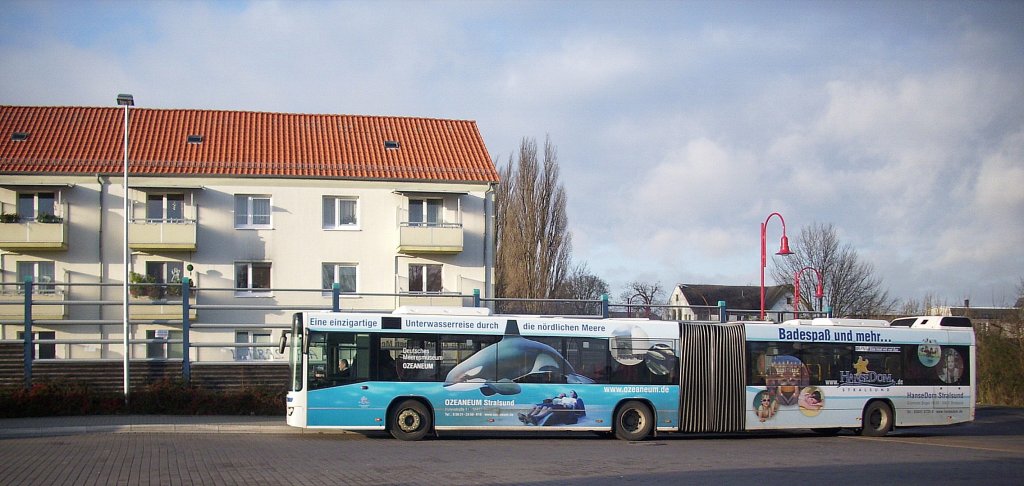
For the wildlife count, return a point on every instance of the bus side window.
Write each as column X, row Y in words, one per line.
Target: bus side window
column 348, row 358
column 757, row 359
column 818, row 360
column 589, row 357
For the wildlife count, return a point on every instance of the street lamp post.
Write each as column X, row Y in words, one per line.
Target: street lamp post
column 629, row 305
column 819, row 290
column 783, row 250
column 127, row 101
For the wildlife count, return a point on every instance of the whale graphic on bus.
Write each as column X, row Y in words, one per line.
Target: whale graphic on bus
column 502, row 366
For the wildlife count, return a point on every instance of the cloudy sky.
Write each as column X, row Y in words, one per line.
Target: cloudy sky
column 680, row 125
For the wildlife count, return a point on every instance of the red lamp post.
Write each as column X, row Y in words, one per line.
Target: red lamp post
column 783, row 250
column 819, row 291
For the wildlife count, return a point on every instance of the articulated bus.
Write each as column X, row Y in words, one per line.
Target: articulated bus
column 425, row 371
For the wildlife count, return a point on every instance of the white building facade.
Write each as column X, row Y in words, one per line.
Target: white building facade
column 264, row 213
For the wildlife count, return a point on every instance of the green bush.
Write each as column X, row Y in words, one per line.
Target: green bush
column 1000, row 368
column 166, row 397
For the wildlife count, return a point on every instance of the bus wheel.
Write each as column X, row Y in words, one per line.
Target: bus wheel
column 633, row 421
column 877, row 419
column 410, row 420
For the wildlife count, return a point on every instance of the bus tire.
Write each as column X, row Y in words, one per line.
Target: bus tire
column 878, row 419
column 410, row 420
column 633, row 421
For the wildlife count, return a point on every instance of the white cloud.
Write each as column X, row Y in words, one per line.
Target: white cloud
column 680, row 127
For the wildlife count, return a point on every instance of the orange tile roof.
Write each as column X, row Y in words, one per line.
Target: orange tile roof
column 82, row 140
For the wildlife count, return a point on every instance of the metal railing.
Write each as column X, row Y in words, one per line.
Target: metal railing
column 187, row 298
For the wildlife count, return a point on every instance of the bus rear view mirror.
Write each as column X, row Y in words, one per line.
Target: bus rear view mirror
column 284, row 343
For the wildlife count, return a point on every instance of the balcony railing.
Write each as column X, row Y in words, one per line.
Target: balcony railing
column 12, row 303
column 161, row 234
column 430, row 237
column 40, row 232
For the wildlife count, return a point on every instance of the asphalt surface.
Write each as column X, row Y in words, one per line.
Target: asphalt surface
column 247, row 450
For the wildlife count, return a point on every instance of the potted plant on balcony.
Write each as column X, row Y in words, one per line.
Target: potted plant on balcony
column 174, row 287
column 9, row 218
column 136, row 290
column 48, row 218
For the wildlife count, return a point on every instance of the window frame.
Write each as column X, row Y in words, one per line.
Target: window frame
column 249, row 211
column 253, row 353
column 249, row 290
column 38, row 285
column 21, row 211
column 41, row 351
column 336, row 266
column 425, row 278
column 165, row 275
column 336, row 213
column 164, row 350
column 424, row 204
column 165, row 207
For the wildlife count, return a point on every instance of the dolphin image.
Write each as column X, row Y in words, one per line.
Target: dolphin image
column 500, row 367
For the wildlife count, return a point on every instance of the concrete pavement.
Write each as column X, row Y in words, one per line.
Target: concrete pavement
column 213, row 424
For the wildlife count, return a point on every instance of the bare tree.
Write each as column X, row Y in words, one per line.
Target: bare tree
column 641, row 295
column 850, row 285
column 583, row 285
column 533, row 240
column 1020, row 295
column 926, row 306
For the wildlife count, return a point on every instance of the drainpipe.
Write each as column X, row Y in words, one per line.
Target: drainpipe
column 489, row 243
column 103, row 211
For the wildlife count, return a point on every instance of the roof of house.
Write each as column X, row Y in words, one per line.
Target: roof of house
column 735, row 296
column 83, row 140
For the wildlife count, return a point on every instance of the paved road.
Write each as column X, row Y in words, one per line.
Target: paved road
column 259, row 451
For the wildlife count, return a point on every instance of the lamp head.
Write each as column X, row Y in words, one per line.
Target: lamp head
column 784, row 249
column 125, row 100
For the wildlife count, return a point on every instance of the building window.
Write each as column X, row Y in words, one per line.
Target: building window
column 250, row 353
column 37, row 206
column 166, row 273
column 343, row 274
column 164, row 350
column 165, row 208
column 252, row 211
column 425, row 212
column 340, row 213
column 42, row 351
column 252, row 277
column 425, row 278
column 42, row 274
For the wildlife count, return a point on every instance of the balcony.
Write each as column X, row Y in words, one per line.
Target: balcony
column 433, row 300
column 48, row 234
column 158, row 301
column 148, row 235
column 145, row 308
column 12, row 305
column 430, row 238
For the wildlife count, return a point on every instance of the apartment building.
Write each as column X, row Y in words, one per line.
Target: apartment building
column 263, row 212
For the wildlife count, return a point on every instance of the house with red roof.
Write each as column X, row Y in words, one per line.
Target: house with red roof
column 699, row 302
column 256, row 209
